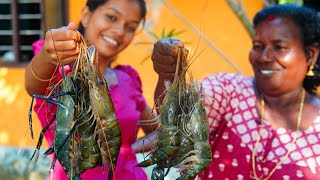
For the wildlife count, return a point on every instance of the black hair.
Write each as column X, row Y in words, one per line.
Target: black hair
column 94, row 4
column 308, row 21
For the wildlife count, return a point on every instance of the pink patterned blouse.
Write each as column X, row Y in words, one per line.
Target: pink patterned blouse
column 230, row 100
column 129, row 103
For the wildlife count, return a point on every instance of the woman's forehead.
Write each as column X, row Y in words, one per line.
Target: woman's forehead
column 123, row 7
column 278, row 27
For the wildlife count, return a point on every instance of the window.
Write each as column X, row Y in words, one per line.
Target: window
column 20, row 25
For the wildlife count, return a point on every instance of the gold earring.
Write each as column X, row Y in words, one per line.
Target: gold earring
column 310, row 71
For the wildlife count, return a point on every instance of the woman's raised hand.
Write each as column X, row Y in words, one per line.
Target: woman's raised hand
column 61, row 44
column 164, row 57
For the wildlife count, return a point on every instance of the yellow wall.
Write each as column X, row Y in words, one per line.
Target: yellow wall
column 14, row 108
column 211, row 17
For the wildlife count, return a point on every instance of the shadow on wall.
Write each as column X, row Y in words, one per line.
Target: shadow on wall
column 15, row 164
column 172, row 175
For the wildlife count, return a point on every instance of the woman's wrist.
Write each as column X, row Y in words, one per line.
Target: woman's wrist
column 41, row 68
column 163, row 78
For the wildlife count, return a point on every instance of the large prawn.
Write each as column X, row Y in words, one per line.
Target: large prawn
column 107, row 124
column 168, row 134
column 66, row 119
column 194, row 148
column 191, row 152
column 87, row 130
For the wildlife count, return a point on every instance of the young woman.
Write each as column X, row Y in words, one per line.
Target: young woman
column 110, row 26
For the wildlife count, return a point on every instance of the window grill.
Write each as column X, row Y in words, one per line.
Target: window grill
column 20, row 25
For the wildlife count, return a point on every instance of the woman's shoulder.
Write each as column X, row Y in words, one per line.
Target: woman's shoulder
column 227, row 78
column 229, row 84
column 131, row 72
column 127, row 68
column 130, row 79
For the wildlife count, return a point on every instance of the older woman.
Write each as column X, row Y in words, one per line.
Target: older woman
column 268, row 125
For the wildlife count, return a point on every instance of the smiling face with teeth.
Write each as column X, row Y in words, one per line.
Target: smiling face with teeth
column 278, row 57
column 111, row 27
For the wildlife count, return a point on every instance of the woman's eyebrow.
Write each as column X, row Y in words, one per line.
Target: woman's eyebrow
column 115, row 10
column 119, row 13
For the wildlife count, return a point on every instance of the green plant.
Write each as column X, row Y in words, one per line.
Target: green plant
column 164, row 34
column 299, row 2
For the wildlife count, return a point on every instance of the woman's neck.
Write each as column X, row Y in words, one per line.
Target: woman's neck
column 283, row 100
column 104, row 64
column 281, row 110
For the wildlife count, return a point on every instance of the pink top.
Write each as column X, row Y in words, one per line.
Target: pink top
column 230, row 99
column 129, row 103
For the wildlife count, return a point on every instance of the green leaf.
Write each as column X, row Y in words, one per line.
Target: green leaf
column 163, row 33
column 145, row 59
column 171, row 33
column 179, row 32
column 299, row 2
column 154, row 35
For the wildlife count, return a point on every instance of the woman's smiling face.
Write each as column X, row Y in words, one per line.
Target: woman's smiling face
column 111, row 27
column 277, row 56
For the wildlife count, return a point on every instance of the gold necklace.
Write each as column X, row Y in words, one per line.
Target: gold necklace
column 282, row 159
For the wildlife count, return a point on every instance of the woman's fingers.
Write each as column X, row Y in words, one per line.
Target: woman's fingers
column 162, row 66
column 67, row 45
column 61, row 34
column 166, row 50
column 163, row 58
column 72, row 26
column 68, row 60
column 62, row 57
column 64, row 60
column 166, row 46
column 61, row 45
